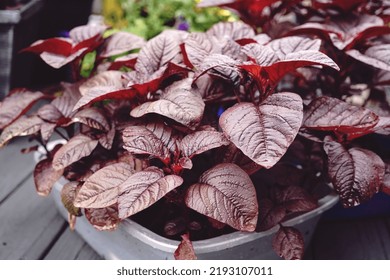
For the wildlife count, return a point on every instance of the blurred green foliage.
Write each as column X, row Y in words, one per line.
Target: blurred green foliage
column 148, row 18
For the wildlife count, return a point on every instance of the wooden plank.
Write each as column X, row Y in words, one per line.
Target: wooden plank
column 25, row 218
column 67, row 247
column 45, row 241
column 15, row 166
column 87, row 253
column 354, row 240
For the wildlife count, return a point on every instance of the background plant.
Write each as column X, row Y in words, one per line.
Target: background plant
column 149, row 18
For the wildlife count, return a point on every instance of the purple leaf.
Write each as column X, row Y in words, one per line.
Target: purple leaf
column 103, row 218
column 76, row 148
column 68, row 194
column 16, row 104
column 202, row 141
column 143, row 189
column 269, row 215
column 198, row 46
column 221, row 66
column 264, row 132
column 140, row 140
column 185, row 250
column 235, row 30
column 295, row 199
column 66, row 102
column 288, row 243
column 383, row 126
column 287, row 45
column 386, row 180
column 160, row 50
column 45, row 176
column 347, row 30
column 50, row 113
column 122, row 42
column 21, row 127
column 107, row 139
column 356, row 174
column 106, row 85
column 107, row 79
column 165, row 133
column 332, row 114
column 179, row 102
column 47, row 130
column 102, row 188
column 226, row 194
column 377, row 56
column 85, row 32
column 57, row 61
column 93, row 118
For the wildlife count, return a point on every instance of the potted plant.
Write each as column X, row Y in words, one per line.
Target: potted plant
column 221, row 133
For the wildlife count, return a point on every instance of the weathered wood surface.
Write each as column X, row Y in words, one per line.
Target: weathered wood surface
column 31, row 228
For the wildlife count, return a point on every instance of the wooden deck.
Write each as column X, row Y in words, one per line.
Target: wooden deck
column 31, row 227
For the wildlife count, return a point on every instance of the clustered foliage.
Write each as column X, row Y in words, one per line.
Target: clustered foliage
column 197, row 134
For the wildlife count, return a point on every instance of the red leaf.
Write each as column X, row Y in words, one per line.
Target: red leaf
column 179, row 102
column 185, row 250
column 264, row 132
column 21, row 127
column 250, row 11
column 332, row 114
column 59, row 46
column 103, row 218
column 16, row 105
column 102, row 188
column 356, row 174
column 128, row 61
column 45, row 176
column 76, row 148
column 232, row 188
column 144, row 84
column 296, row 60
column 345, row 5
column 120, row 43
column 202, row 141
column 377, row 56
column 143, row 189
column 288, row 243
column 106, row 85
